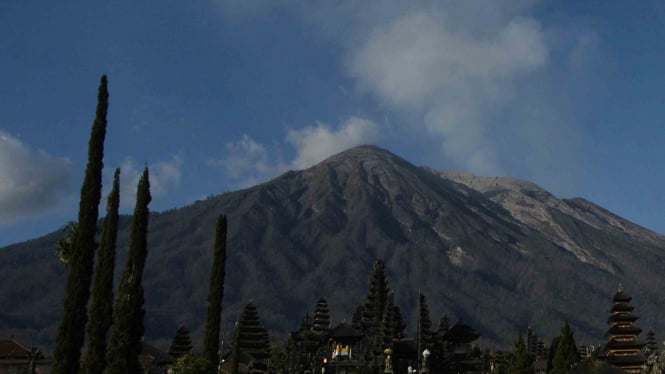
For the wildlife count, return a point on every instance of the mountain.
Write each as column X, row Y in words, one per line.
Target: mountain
column 497, row 253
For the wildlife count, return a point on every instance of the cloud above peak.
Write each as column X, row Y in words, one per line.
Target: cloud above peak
column 471, row 81
column 476, row 75
column 247, row 162
column 315, row 143
column 460, row 80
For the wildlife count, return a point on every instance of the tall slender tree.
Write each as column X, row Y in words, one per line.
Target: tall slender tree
column 215, row 295
column 235, row 349
column 71, row 332
column 521, row 361
column 424, row 325
column 101, row 310
column 566, row 353
column 127, row 331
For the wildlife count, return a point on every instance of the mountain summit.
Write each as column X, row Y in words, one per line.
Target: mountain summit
column 498, row 253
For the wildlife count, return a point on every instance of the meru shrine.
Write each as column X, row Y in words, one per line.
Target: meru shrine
column 623, row 350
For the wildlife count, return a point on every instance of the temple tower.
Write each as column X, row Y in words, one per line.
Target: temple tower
column 623, row 348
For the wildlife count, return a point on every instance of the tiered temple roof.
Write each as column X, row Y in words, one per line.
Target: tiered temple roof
column 623, row 348
column 461, row 333
column 345, row 333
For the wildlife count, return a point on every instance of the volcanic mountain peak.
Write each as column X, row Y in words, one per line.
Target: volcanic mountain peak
column 496, row 252
column 366, row 170
column 364, row 152
column 365, row 159
column 404, row 189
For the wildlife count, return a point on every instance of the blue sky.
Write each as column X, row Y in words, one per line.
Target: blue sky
column 216, row 95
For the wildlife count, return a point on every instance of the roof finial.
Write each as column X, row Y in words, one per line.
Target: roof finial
column 620, row 289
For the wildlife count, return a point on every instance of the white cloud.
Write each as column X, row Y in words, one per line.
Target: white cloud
column 247, row 162
column 459, row 79
column 315, row 143
column 164, row 175
column 32, row 183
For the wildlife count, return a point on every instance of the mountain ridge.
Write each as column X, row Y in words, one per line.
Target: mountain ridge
column 467, row 241
column 533, row 205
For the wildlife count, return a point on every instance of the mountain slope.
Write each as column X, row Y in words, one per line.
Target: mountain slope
column 495, row 252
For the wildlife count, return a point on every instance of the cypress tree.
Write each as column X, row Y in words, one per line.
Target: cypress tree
column 235, row 350
column 181, row 343
column 215, row 295
column 127, row 332
column 521, row 362
column 566, row 353
column 424, row 325
column 552, row 352
column 101, row 310
column 71, row 332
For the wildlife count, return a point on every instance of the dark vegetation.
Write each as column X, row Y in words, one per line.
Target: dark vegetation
column 211, row 344
column 101, row 308
column 71, row 332
column 128, row 312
